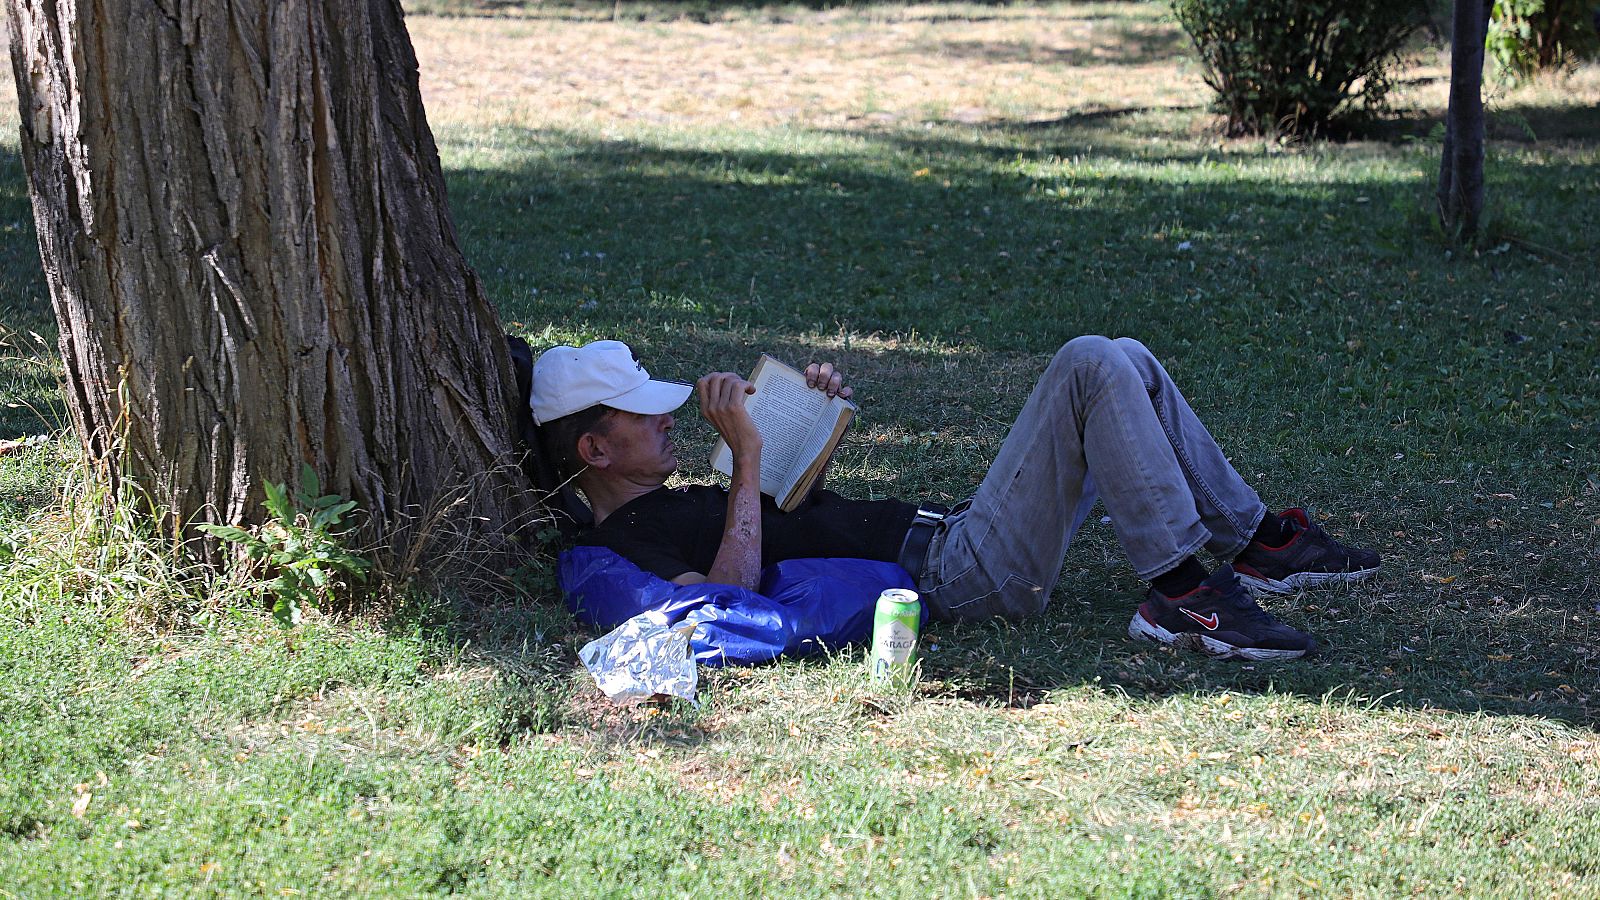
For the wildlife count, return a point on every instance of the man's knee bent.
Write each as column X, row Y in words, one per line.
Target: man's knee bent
column 1134, row 350
column 1093, row 359
column 1088, row 348
column 1139, row 355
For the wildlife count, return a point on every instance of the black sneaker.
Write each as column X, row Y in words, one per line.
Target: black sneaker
column 1307, row 559
column 1219, row 619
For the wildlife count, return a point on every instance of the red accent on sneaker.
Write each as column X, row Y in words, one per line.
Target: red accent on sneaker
column 1247, row 569
column 1296, row 514
column 1208, row 622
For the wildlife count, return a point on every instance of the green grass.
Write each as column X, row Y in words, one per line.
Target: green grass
column 1442, row 408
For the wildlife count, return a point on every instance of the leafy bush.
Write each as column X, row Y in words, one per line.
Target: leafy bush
column 302, row 545
column 1292, row 66
column 1528, row 36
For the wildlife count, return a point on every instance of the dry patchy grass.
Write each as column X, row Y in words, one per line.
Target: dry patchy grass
column 820, row 70
column 894, row 66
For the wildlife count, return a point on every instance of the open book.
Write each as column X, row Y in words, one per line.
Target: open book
column 799, row 428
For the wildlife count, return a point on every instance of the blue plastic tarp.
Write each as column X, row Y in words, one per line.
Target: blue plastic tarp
column 802, row 606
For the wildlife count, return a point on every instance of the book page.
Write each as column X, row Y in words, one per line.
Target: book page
column 786, row 413
column 808, row 458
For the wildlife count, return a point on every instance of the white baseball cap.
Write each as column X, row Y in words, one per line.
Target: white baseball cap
column 569, row 379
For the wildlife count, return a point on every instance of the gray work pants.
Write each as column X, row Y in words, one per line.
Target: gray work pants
column 1104, row 415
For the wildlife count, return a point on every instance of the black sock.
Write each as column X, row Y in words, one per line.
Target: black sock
column 1274, row 531
column 1181, row 579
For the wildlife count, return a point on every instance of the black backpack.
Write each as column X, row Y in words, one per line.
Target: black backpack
column 570, row 512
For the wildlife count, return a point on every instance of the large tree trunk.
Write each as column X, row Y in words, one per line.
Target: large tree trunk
column 1461, row 164
column 244, row 228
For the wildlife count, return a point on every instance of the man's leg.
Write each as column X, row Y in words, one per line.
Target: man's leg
column 1229, row 508
column 1289, row 553
column 1103, row 414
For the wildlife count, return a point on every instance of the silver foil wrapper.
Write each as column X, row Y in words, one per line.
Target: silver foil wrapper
column 641, row 658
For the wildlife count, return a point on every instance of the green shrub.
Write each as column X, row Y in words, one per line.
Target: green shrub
column 1293, row 66
column 302, row 543
column 1528, row 36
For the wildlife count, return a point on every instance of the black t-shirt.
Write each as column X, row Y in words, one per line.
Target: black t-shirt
column 670, row 531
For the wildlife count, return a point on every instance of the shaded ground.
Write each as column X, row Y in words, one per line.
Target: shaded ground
column 981, row 194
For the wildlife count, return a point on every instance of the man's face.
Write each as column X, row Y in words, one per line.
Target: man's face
column 639, row 447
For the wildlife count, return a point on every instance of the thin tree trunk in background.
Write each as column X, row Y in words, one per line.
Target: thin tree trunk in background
column 244, row 228
column 1461, row 163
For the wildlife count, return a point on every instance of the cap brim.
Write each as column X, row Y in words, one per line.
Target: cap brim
column 653, row 398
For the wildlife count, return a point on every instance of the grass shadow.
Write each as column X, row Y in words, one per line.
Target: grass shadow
column 1344, row 361
column 1124, row 45
column 1512, row 126
column 940, row 269
column 1524, row 124
column 29, row 395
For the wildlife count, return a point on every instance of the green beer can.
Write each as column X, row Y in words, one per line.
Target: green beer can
column 894, row 636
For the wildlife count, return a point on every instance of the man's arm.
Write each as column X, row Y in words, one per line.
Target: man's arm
column 738, row 559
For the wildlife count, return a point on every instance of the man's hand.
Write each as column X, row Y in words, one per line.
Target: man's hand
column 824, row 377
column 722, row 403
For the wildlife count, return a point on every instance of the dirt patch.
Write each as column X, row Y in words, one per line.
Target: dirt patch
column 822, row 70
column 890, row 67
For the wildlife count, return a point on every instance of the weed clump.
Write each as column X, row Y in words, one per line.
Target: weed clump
column 95, row 543
column 303, row 544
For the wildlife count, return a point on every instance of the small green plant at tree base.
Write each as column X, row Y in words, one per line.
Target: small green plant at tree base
column 301, row 544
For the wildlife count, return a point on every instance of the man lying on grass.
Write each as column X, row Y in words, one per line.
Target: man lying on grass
column 1105, row 420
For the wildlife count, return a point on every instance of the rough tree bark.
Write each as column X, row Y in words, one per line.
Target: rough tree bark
column 244, row 228
column 1461, row 164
